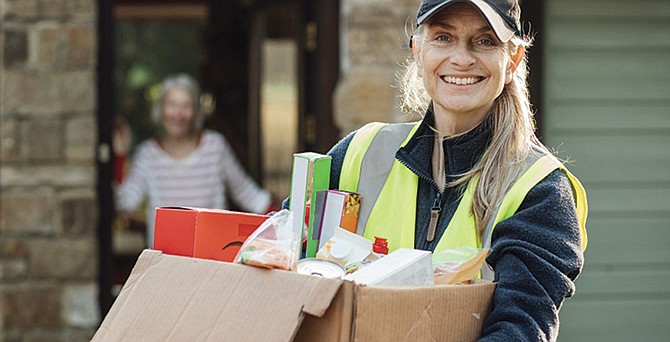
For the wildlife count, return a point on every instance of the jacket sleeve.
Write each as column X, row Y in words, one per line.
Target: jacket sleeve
column 244, row 190
column 536, row 255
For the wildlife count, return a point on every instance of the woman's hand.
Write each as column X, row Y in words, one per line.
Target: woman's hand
column 121, row 136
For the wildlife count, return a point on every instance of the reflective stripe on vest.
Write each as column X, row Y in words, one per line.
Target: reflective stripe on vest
column 390, row 191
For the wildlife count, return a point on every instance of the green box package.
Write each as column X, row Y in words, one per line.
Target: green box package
column 311, row 174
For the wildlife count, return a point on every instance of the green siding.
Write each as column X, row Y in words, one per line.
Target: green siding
column 607, row 111
column 598, row 156
column 627, row 320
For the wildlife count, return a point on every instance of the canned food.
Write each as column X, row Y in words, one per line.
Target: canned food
column 321, row 268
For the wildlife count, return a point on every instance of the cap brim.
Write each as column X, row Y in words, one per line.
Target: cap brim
column 502, row 31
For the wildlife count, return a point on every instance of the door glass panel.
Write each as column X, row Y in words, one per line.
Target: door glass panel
column 278, row 112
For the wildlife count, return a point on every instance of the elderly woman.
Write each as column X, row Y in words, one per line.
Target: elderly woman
column 185, row 165
column 472, row 172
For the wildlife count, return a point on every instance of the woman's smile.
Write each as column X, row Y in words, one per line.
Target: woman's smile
column 463, row 66
column 461, row 80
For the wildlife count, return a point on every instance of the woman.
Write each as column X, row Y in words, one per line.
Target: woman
column 472, row 171
column 185, row 165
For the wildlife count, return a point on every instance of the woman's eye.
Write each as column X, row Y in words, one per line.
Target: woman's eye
column 442, row 38
column 487, row 42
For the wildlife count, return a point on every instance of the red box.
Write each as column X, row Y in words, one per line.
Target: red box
column 203, row 233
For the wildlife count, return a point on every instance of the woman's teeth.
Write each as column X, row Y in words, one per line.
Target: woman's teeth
column 461, row 80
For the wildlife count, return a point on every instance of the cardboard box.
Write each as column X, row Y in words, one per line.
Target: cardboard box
column 173, row 298
column 203, row 233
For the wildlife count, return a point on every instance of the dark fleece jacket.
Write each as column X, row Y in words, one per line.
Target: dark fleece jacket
column 536, row 254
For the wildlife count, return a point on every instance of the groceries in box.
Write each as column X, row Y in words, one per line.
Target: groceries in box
column 349, row 289
column 176, row 298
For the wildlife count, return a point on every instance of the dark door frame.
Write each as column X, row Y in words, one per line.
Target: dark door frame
column 319, row 74
column 532, row 17
column 105, row 113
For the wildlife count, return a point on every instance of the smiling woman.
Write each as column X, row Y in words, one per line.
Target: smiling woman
column 472, row 172
column 464, row 66
column 184, row 165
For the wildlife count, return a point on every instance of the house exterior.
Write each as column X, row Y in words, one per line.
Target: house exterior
column 605, row 105
column 48, row 205
column 607, row 108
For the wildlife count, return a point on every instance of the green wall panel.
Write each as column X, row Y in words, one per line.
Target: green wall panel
column 618, row 241
column 597, row 156
column 625, row 320
column 607, row 110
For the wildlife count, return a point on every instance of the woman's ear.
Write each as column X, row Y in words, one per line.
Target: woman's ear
column 514, row 62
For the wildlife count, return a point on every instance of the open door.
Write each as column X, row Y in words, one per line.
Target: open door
column 269, row 68
column 273, row 67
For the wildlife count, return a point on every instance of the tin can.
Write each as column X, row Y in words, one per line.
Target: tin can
column 320, row 268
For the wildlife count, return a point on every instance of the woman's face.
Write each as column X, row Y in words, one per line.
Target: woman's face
column 463, row 64
column 177, row 116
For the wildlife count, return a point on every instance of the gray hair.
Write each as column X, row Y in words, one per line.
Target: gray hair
column 185, row 82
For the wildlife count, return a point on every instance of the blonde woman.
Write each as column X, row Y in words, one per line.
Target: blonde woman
column 472, row 172
column 185, row 165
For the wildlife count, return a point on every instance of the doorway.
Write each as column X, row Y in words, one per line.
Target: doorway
column 266, row 82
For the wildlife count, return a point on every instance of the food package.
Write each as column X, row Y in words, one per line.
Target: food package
column 346, row 249
column 459, row 265
column 272, row 245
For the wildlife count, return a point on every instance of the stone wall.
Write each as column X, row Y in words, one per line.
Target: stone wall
column 48, row 206
column 374, row 46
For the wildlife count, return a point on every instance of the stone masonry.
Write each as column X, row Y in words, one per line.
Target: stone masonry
column 48, row 205
column 374, row 46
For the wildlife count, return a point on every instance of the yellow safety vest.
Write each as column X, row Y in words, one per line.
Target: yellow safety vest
column 392, row 209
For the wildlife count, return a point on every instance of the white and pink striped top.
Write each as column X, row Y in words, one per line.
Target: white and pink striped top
column 200, row 180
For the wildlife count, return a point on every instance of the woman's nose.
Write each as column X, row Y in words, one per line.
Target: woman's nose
column 462, row 55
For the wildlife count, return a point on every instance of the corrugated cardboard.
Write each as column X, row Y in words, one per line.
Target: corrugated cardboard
column 203, row 233
column 174, row 298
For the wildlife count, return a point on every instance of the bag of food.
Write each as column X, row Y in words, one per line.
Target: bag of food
column 458, row 265
column 272, row 245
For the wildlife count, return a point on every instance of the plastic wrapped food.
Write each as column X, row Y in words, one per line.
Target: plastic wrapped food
column 458, row 265
column 272, row 245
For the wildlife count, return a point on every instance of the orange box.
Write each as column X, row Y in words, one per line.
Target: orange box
column 203, row 233
column 352, row 205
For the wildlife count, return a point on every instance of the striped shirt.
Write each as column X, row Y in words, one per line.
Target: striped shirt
column 201, row 179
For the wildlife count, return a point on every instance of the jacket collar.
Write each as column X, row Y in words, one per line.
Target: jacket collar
column 461, row 152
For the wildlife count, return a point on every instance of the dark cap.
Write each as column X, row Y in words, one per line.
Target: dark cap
column 502, row 15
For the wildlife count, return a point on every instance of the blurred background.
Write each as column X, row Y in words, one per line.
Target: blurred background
column 296, row 75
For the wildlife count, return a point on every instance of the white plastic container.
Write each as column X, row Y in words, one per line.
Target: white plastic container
column 401, row 267
column 345, row 248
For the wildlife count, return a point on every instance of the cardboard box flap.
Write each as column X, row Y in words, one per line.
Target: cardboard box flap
column 336, row 324
column 383, row 314
column 174, row 298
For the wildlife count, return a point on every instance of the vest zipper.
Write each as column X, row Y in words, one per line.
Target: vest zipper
column 437, row 204
column 434, row 217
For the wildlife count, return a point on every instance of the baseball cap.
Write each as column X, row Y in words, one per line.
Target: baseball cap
column 502, row 15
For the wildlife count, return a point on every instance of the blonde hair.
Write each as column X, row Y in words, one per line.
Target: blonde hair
column 185, row 82
column 513, row 131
